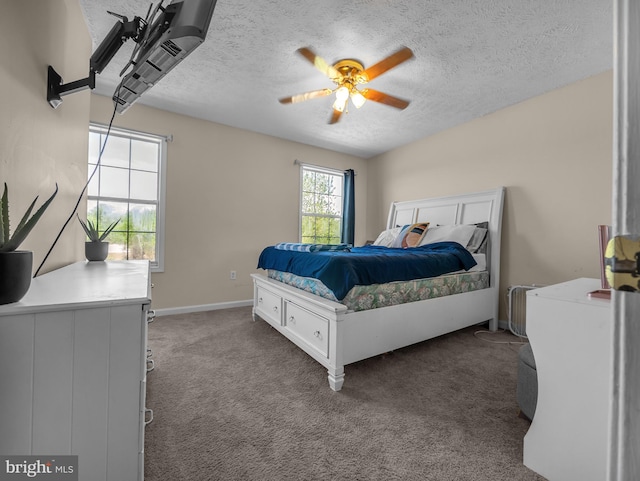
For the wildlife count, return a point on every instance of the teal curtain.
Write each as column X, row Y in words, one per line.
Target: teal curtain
column 348, row 208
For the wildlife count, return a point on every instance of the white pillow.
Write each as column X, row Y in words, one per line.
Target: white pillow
column 454, row 233
column 387, row 237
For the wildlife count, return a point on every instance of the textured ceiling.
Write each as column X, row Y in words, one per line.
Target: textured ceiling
column 472, row 57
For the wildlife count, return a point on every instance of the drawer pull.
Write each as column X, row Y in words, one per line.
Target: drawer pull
column 317, row 334
column 275, row 308
column 151, row 315
column 150, row 413
column 260, row 300
column 292, row 320
column 150, row 365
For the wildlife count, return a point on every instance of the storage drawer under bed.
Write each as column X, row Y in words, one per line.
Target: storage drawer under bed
column 310, row 328
column 269, row 306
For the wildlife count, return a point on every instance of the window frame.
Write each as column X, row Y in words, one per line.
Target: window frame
column 94, row 127
column 301, row 214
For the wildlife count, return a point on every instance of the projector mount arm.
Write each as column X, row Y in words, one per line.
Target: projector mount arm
column 120, row 33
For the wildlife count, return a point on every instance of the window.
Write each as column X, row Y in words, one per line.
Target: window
column 321, row 205
column 128, row 185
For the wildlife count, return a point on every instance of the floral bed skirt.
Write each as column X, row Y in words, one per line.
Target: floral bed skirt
column 361, row 298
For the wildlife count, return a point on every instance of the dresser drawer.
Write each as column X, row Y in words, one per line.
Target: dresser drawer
column 312, row 329
column 269, row 306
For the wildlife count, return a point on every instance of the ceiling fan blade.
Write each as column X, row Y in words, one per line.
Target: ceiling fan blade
column 388, row 63
column 319, row 63
column 294, row 99
column 386, row 99
column 335, row 116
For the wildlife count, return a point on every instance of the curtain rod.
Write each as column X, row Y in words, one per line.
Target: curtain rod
column 319, row 167
column 167, row 137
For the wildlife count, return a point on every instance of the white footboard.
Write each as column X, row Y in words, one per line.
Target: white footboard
column 308, row 321
column 335, row 337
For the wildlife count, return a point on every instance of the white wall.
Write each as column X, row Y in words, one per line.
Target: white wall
column 40, row 146
column 230, row 193
column 554, row 155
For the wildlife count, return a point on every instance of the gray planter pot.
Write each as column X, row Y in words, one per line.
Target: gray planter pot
column 96, row 251
column 15, row 275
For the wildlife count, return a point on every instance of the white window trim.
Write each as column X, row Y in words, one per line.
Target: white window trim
column 158, row 265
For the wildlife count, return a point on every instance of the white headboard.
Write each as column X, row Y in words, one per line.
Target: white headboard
column 458, row 209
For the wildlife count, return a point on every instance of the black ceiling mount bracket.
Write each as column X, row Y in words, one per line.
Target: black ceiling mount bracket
column 163, row 39
column 56, row 89
column 122, row 30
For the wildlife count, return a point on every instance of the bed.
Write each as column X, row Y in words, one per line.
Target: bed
column 336, row 333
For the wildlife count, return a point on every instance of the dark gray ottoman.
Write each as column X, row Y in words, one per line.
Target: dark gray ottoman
column 527, row 387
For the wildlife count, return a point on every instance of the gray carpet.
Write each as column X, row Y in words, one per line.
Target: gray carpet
column 234, row 400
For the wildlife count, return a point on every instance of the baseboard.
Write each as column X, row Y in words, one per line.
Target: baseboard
column 203, row 307
column 169, row 311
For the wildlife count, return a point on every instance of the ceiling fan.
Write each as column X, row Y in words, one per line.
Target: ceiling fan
column 347, row 74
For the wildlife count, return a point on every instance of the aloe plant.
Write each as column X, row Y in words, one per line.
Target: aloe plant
column 10, row 242
column 92, row 232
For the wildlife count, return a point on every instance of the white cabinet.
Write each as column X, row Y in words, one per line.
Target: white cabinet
column 571, row 337
column 73, row 361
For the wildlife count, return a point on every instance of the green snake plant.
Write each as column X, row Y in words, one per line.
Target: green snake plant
column 92, row 232
column 10, row 242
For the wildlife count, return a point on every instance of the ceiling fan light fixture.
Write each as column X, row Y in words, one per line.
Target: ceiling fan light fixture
column 340, row 105
column 357, row 98
column 347, row 74
column 342, row 93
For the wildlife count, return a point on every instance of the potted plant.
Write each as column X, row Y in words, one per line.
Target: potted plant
column 15, row 265
column 96, row 248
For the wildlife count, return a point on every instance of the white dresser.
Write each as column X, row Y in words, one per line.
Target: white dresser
column 73, row 356
column 571, row 337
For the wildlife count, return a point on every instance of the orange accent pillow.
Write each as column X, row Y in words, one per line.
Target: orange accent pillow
column 414, row 234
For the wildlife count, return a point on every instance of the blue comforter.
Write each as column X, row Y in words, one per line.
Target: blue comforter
column 366, row 265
